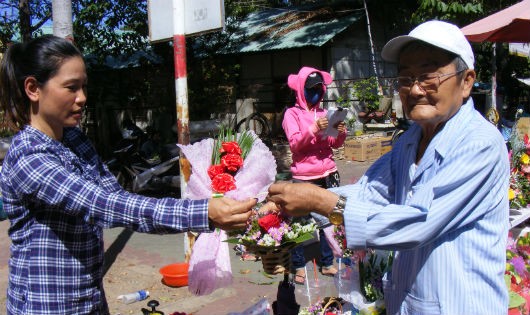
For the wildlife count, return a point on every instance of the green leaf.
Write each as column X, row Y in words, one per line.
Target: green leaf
column 232, row 240
column 515, row 300
column 302, row 238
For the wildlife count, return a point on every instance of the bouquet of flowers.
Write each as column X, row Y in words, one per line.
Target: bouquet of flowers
column 271, row 235
column 517, row 275
column 371, row 271
column 238, row 166
column 519, row 155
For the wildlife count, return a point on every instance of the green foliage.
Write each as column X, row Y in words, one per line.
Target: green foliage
column 343, row 102
column 365, row 91
column 227, row 134
column 457, row 10
column 371, row 272
column 115, row 27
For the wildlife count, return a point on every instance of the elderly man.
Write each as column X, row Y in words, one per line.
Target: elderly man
column 439, row 198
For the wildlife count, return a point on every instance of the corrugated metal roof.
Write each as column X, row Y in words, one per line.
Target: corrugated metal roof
column 293, row 28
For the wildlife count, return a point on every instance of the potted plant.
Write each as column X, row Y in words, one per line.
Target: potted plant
column 365, row 91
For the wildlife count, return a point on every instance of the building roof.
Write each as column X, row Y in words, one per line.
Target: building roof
column 284, row 28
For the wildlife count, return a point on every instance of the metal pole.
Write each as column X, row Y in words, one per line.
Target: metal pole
column 181, row 83
column 494, row 78
column 372, row 49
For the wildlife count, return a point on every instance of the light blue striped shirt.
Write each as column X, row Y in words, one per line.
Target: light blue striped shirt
column 447, row 218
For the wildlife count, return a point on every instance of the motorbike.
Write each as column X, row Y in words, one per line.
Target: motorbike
column 158, row 176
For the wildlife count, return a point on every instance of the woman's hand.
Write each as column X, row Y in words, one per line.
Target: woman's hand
column 322, row 123
column 340, row 126
column 229, row 214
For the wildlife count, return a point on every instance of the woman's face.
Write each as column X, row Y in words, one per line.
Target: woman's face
column 314, row 94
column 61, row 99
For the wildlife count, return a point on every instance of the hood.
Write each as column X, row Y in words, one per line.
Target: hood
column 297, row 81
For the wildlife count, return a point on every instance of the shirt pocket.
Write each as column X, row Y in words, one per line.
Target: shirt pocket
column 416, row 306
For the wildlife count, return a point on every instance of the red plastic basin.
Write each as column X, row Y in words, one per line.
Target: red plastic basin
column 175, row 275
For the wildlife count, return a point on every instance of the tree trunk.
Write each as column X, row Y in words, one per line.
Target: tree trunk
column 62, row 19
column 24, row 18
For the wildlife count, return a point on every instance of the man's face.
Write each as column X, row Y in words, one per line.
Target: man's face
column 432, row 108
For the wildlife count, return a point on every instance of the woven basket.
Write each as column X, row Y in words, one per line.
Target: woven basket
column 332, row 302
column 275, row 260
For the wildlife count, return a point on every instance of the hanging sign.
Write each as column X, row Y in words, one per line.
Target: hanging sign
column 200, row 16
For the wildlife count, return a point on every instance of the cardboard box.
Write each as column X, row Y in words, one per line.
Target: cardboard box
column 386, row 144
column 363, row 149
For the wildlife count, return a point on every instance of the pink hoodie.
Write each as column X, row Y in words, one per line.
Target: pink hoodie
column 312, row 154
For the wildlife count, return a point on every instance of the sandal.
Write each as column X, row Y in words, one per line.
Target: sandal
column 245, row 256
column 299, row 278
column 329, row 271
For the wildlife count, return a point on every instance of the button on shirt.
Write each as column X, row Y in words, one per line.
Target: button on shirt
column 59, row 196
column 447, row 218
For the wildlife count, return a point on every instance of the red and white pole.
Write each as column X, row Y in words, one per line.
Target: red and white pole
column 181, row 82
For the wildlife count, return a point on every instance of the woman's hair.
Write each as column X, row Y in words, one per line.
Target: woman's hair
column 39, row 58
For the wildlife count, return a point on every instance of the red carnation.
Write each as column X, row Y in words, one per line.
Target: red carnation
column 223, row 182
column 269, row 221
column 230, row 147
column 232, row 162
column 215, row 170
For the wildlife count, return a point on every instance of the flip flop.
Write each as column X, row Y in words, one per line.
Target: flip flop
column 299, row 279
column 329, row 271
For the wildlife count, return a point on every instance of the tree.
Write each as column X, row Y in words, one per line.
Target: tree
column 100, row 27
column 62, row 18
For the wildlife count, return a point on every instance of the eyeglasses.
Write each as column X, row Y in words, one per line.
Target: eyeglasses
column 428, row 82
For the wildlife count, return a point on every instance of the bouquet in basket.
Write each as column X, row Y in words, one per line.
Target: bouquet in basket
column 236, row 165
column 326, row 306
column 270, row 234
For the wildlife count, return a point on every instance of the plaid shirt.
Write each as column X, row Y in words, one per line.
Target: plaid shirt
column 59, row 196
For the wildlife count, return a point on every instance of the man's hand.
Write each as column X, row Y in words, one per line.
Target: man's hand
column 299, row 199
column 229, row 214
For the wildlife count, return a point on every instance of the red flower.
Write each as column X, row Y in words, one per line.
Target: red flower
column 215, row 170
column 230, row 147
column 268, row 221
column 223, row 182
column 232, row 162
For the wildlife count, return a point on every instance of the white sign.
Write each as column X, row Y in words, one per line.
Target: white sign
column 200, row 16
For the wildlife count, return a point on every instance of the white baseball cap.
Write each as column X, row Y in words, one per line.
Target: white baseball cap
column 436, row 33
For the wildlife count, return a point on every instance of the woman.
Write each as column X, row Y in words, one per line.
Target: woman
column 58, row 194
column 304, row 125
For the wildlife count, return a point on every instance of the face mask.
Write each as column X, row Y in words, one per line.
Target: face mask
column 313, row 95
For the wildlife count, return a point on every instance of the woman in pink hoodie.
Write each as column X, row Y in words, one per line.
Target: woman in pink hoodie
column 304, row 125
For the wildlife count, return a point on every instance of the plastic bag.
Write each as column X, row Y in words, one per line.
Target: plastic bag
column 210, row 267
column 332, row 241
column 348, row 285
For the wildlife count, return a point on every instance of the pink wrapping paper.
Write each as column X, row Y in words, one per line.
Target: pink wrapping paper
column 210, row 267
